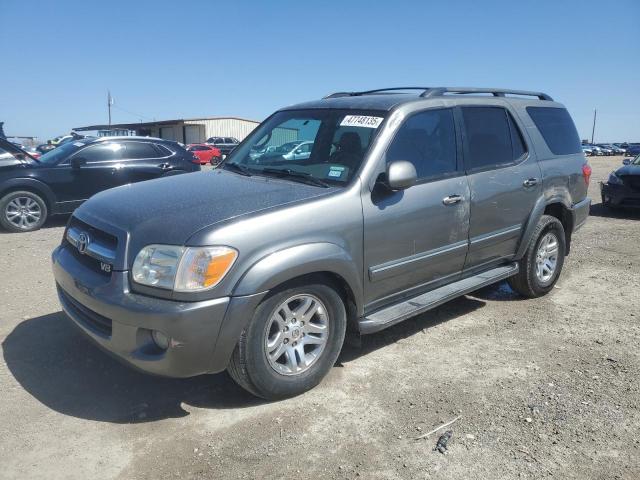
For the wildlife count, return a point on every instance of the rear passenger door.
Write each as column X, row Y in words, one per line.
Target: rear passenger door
column 416, row 239
column 141, row 161
column 505, row 182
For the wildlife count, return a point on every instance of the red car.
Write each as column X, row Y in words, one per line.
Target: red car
column 205, row 153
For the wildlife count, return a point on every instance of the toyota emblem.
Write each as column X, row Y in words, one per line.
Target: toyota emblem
column 83, row 242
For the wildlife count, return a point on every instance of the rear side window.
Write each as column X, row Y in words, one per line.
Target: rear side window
column 164, row 151
column 557, row 129
column 136, row 150
column 428, row 140
column 493, row 138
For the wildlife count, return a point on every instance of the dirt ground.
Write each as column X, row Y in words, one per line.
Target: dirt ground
column 545, row 388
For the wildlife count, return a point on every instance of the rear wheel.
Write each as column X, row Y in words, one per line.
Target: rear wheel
column 542, row 263
column 291, row 342
column 22, row 211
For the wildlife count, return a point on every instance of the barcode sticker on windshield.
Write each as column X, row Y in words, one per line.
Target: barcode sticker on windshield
column 361, row 121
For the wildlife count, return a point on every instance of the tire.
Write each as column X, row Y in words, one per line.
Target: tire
column 531, row 282
column 267, row 378
column 22, row 211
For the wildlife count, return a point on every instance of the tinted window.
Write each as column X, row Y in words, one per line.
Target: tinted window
column 218, row 141
column 197, row 148
column 164, row 151
column 492, row 137
column 557, row 129
column 103, row 152
column 428, row 140
column 140, row 150
column 229, row 140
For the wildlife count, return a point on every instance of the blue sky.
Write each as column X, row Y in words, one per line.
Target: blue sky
column 169, row 59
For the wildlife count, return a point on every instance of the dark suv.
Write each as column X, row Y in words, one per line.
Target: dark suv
column 58, row 182
column 404, row 202
column 224, row 144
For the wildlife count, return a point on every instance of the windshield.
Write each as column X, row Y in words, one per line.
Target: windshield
column 57, row 154
column 327, row 145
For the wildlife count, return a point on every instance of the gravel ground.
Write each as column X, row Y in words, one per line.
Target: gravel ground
column 545, row 388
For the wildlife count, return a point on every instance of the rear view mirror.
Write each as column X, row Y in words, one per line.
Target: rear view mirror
column 77, row 162
column 401, row 175
column 626, row 161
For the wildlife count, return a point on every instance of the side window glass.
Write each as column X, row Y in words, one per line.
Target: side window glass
column 103, row 152
column 164, row 151
column 218, row 141
column 139, row 150
column 428, row 140
column 493, row 138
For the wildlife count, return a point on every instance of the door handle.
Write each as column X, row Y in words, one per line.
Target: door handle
column 451, row 199
column 530, row 182
column 165, row 166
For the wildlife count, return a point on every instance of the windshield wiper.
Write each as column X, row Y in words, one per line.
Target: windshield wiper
column 296, row 176
column 236, row 167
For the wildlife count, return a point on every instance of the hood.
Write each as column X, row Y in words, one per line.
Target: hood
column 170, row 210
column 628, row 170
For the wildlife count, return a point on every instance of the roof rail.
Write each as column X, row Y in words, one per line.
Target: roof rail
column 430, row 92
column 373, row 92
column 496, row 92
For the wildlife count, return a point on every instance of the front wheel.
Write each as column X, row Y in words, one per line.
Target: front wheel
column 542, row 263
column 291, row 343
column 22, row 211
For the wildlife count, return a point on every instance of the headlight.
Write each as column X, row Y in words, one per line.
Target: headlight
column 614, row 179
column 183, row 269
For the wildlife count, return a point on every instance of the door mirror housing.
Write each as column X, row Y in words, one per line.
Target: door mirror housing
column 77, row 162
column 626, row 161
column 401, row 175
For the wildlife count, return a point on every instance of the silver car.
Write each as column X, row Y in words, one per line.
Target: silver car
column 408, row 199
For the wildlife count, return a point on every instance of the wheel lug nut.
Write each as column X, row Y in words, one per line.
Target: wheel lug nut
column 295, row 343
column 286, row 340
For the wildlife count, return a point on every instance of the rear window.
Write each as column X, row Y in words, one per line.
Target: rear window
column 557, row 129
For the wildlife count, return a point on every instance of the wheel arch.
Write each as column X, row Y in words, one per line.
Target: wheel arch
column 325, row 261
column 31, row 185
column 556, row 207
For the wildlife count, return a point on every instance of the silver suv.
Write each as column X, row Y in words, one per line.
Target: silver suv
column 408, row 198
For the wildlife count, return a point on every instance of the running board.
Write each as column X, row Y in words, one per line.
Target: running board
column 381, row 319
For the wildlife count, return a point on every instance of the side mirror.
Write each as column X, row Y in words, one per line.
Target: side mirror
column 626, row 161
column 78, row 162
column 401, row 175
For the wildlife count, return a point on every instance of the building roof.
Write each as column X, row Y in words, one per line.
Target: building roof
column 136, row 125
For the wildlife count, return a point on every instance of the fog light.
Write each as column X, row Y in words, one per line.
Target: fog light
column 160, row 339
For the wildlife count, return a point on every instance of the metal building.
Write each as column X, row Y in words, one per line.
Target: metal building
column 192, row 130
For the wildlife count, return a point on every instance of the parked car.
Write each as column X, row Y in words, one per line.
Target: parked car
column 32, row 189
column 596, row 150
column 587, row 150
column 205, row 153
column 618, row 149
column 225, row 144
column 622, row 188
column 633, row 149
column 259, row 266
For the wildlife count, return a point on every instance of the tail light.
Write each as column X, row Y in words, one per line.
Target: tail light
column 586, row 173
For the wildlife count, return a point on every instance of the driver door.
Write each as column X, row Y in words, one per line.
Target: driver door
column 417, row 239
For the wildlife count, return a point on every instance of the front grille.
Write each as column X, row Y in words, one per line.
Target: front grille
column 92, row 320
column 631, row 181
column 98, row 253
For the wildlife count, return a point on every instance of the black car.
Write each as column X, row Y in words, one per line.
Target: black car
column 224, row 144
column 622, row 188
column 31, row 190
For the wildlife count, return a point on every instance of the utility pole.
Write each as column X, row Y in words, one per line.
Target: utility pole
column 593, row 130
column 109, row 103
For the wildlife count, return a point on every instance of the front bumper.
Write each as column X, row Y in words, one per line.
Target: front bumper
column 619, row 195
column 120, row 321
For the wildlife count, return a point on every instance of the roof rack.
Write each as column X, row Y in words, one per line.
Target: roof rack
column 496, row 92
column 373, row 92
column 430, row 92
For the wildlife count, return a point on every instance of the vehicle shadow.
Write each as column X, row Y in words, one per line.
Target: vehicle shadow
column 599, row 210
column 64, row 370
